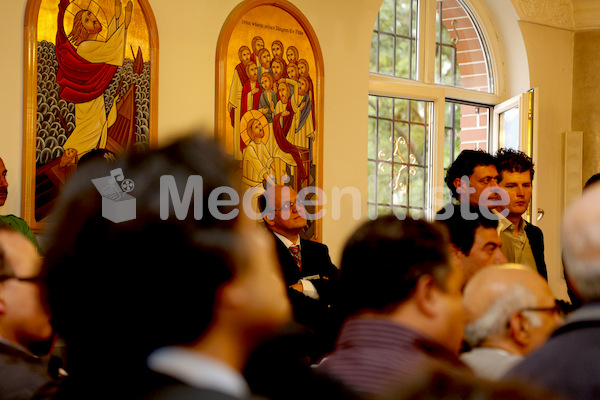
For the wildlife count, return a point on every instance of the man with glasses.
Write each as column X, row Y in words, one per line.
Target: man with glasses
column 510, row 312
column 24, row 320
column 307, row 268
column 569, row 362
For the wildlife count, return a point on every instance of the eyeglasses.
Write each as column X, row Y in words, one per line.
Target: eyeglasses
column 289, row 204
column 35, row 279
column 556, row 309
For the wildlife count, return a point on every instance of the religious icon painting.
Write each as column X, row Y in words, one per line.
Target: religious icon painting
column 89, row 90
column 269, row 100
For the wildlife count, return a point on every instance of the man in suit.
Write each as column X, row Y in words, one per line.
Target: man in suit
column 569, row 362
column 307, row 268
column 161, row 308
column 24, row 318
column 522, row 242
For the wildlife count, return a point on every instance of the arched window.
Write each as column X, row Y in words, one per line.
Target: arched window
column 432, row 91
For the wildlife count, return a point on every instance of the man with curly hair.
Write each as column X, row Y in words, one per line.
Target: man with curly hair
column 522, row 242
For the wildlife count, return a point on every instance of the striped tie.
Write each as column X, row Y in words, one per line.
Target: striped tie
column 295, row 250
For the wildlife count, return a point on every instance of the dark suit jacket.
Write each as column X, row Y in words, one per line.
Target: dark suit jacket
column 569, row 362
column 315, row 261
column 21, row 374
column 320, row 315
column 536, row 241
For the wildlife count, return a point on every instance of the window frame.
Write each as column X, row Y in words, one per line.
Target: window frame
column 426, row 89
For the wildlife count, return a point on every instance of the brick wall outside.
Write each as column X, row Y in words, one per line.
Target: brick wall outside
column 473, row 73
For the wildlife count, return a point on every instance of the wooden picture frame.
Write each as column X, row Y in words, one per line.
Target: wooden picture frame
column 58, row 79
column 281, row 97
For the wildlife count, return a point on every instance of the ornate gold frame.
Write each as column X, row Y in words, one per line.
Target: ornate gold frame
column 224, row 66
column 30, row 101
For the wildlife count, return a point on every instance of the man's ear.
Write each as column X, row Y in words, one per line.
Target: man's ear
column 519, row 329
column 270, row 218
column 425, row 295
column 457, row 183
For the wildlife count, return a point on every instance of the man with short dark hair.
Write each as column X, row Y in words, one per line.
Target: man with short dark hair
column 474, row 243
column 155, row 308
column 522, row 242
column 13, row 221
column 469, row 176
column 24, row 318
column 402, row 298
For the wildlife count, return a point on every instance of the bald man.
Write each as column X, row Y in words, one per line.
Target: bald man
column 510, row 312
column 573, row 351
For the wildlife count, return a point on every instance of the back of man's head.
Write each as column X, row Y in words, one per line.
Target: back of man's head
column 464, row 165
column 493, row 296
column 581, row 244
column 117, row 291
column 384, row 259
column 510, row 160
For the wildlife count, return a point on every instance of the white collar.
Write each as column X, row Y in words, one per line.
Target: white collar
column 504, row 223
column 198, row 370
column 287, row 242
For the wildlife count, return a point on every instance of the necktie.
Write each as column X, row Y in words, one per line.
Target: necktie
column 295, row 250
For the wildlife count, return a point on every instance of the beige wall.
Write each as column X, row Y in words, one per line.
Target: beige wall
column 586, row 105
column 343, row 28
column 550, row 55
column 187, row 45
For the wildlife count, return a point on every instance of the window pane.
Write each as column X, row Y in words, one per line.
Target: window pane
column 385, row 107
column 384, row 183
column 386, row 54
column 417, row 187
column 374, row 52
column 402, row 62
column 401, row 109
column 371, row 166
column 386, row 16
column 399, row 179
column 372, row 146
column 396, row 30
column 403, row 18
column 384, row 140
column 401, row 142
column 458, row 42
column 467, row 127
column 417, row 145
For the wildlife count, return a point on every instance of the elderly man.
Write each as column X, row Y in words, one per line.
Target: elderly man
column 402, row 298
column 569, row 362
column 510, row 312
column 24, row 319
column 11, row 220
column 308, row 271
